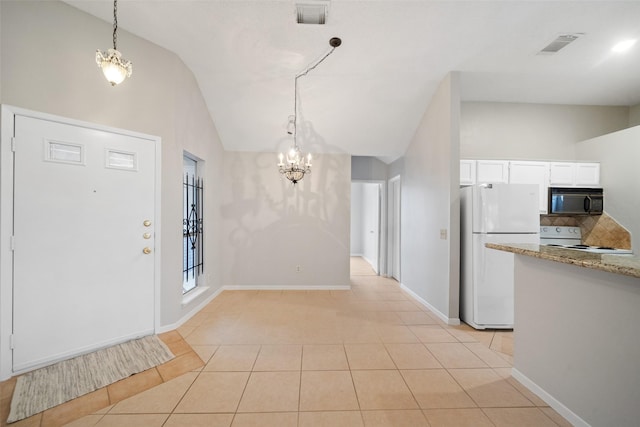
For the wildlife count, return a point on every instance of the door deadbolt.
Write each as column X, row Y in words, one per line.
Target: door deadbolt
column 147, row 250
column 147, row 223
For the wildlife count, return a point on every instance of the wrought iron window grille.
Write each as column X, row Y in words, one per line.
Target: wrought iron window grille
column 192, row 230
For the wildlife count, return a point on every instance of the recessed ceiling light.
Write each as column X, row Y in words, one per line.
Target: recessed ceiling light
column 623, row 46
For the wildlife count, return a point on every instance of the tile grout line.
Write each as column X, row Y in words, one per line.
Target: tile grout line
column 246, row 384
column 331, row 305
column 190, row 385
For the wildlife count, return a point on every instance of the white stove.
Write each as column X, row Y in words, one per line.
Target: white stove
column 571, row 238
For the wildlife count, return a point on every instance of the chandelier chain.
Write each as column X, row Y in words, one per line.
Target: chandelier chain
column 115, row 24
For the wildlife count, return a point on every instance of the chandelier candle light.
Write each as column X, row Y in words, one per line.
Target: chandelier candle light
column 113, row 65
column 297, row 165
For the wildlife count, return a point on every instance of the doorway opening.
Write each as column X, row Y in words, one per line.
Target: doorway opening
column 393, row 228
column 366, row 236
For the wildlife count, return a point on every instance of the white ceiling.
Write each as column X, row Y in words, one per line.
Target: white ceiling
column 367, row 98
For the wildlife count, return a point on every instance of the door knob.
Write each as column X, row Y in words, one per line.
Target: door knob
column 146, row 223
column 147, row 250
column 147, row 235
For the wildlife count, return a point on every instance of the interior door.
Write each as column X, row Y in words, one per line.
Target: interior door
column 394, row 228
column 83, row 236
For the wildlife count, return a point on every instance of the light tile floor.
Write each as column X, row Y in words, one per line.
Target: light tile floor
column 371, row 356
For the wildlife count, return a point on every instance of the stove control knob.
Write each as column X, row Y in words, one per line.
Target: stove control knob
column 557, row 229
column 545, row 229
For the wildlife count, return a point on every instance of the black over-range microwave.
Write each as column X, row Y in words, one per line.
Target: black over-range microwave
column 575, row 201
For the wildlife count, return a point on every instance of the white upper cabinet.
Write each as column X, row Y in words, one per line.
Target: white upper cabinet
column 523, row 172
column 467, row 172
column 493, row 171
column 562, row 174
column 587, row 174
column 566, row 174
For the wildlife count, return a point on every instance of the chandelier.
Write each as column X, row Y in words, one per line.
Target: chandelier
column 295, row 165
column 114, row 67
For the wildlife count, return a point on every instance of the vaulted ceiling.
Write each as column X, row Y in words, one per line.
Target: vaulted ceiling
column 367, row 98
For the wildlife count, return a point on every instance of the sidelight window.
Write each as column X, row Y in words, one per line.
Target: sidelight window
column 192, row 230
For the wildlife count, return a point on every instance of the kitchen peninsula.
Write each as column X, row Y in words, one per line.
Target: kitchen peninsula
column 576, row 339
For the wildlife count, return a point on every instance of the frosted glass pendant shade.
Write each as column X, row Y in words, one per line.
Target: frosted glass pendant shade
column 114, row 67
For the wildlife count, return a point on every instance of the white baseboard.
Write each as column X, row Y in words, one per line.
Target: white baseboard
column 190, row 313
column 287, row 288
column 567, row 413
column 448, row 320
column 360, row 255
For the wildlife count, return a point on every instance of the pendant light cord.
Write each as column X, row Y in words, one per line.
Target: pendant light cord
column 310, row 67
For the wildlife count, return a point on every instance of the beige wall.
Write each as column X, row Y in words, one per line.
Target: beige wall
column 48, row 65
column 493, row 130
column 634, row 116
column 430, row 203
column 366, row 168
column 619, row 155
column 270, row 227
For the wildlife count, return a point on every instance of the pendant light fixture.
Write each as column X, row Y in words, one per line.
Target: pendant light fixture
column 294, row 166
column 114, row 67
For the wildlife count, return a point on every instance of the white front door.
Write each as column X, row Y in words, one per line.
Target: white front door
column 83, row 215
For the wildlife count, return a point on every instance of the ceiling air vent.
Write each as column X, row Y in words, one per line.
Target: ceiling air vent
column 313, row 12
column 560, row 42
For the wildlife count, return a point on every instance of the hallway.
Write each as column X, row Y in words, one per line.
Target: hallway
column 370, row 356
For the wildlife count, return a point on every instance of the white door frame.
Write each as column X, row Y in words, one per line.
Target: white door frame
column 391, row 217
column 382, row 219
column 7, row 122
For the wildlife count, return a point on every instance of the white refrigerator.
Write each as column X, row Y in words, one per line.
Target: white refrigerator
column 493, row 213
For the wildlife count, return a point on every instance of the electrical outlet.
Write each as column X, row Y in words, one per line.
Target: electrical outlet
column 443, row 233
column 298, row 269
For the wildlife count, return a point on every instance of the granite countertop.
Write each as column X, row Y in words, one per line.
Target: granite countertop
column 628, row 265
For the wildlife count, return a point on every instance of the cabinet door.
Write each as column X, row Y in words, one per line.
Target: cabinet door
column 587, row 174
column 493, row 171
column 467, row 172
column 562, row 174
column 532, row 173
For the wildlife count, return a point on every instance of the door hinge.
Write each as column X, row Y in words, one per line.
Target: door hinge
column 13, row 144
column 12, row 344
column 12, row 242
